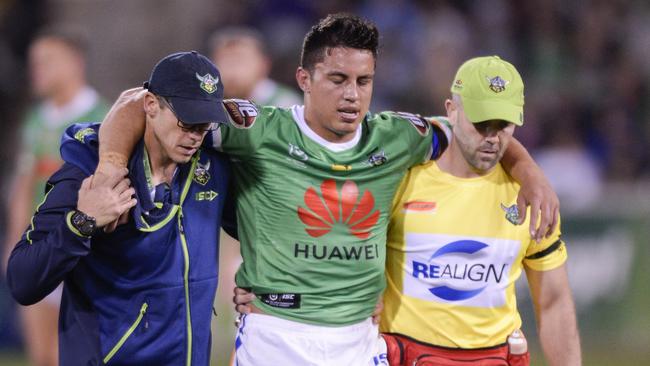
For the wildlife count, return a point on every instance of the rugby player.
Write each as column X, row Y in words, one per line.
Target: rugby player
column 315, row 185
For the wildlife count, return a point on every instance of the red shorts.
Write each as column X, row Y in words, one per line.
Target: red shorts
column 405, row 351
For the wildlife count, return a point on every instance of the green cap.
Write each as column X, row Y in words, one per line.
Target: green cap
column 490, row 88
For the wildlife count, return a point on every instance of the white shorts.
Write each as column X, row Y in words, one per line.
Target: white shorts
column 268, row 340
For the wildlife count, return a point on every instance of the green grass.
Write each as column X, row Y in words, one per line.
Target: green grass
column 603, row 357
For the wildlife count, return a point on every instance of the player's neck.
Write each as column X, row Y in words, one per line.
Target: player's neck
column 66, row 93
column 161, row 165
column 328, row 135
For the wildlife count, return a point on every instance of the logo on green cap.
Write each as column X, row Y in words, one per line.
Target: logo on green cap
column 208, row 82
column 497, row 84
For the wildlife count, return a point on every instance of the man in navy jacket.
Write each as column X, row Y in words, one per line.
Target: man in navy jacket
column 143, row 293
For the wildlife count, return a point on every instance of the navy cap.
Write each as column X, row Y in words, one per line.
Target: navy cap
column 191, row 84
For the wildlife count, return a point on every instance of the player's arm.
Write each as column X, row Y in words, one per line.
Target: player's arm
column 555, row 313
column 20, row 207
column 440, row 135
column 536, row 191
column 121, row 129
column 51, row 247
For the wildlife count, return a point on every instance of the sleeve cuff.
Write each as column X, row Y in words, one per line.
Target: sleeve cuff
column 444, row 126
column 68, row 222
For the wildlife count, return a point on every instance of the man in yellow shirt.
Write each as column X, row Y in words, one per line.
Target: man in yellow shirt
column 455, row 248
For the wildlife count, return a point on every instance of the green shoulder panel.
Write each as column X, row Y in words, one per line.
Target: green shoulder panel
column 410, row 132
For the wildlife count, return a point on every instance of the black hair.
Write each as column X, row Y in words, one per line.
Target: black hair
column 338, row 30
column 230, row 35
column 73, row 37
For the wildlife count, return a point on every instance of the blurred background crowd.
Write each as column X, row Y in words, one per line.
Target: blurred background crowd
column 585, row 63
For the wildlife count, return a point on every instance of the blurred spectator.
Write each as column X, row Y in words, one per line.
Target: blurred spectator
column 572, row 171
column 401, row 24
column 58, row 81
column 242, row 56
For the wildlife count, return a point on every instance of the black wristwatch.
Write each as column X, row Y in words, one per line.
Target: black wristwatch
column 85, row 224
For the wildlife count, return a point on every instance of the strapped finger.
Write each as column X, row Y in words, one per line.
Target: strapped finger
column 554, row 223
column 545, row 222
column 534, row 218
column 521, row 208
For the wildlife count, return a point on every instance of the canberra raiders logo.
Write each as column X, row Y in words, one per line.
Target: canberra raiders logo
column 201, row 175
column 377, row 159
column 81, row 134
column 512, row 213
column 497, row 84
column 208, row 82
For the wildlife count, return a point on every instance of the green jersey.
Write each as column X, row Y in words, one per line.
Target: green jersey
column 313, row 215
column 42, row 133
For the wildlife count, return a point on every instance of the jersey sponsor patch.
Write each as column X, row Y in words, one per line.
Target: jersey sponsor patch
column 467, row 271
column 242, row 112
column 335, row 206
column 420, row 207
column 285, row 301
column 420, row 124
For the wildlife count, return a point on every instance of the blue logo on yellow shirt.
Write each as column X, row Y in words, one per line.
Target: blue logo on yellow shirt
column 474, row 273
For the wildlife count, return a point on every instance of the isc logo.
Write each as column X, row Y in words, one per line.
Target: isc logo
column 275, row 297
column 206, row 196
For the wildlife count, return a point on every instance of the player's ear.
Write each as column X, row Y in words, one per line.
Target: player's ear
column 303, row 77
column 452, row 111
column 152, row 105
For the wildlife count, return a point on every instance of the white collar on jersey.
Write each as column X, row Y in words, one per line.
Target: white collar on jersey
column 298, row 112
column 81, row 104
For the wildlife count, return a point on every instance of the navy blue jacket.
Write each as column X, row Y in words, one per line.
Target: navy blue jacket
column 143, row 294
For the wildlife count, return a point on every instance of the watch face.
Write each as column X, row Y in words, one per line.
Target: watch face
column 88, row 227
column 78, row 220
column 85, row 224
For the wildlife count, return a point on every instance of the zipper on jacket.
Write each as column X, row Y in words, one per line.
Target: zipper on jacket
column 186, row 272
column 120, row 343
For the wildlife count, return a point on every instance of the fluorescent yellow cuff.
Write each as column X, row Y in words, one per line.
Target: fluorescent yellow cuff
column 68, row 222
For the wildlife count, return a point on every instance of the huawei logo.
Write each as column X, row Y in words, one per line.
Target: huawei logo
column 343, row 207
